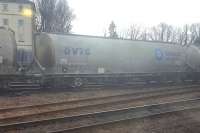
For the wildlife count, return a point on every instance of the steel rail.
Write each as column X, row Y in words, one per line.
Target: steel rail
column 64, row 106
column 82, row 128
column 143, row 90
column 110, row 116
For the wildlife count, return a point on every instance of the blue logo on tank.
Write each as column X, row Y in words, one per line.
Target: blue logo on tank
column 159, row 54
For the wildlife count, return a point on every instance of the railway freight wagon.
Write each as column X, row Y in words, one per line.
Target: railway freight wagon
column 96, row 58
column 32, row 59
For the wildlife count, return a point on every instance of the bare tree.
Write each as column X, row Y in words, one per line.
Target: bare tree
column 195, row 33
column 134, row 32
column 112, row 30
column 174, row 32
column 55, row 16
column 105, row 33
column 180, row 35
column 154, row 34
column 144, row 35
column 123, row 34
column 169, row 33
column 162, row 32
column 186, row 34
column 162, row 27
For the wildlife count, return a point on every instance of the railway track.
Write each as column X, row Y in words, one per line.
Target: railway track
column 81, row 121
column 142, row 90
column 18, row 111
column 113, row 116
column 25, row 118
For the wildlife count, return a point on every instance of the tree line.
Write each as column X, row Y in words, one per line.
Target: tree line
column 54, row 16
column 57, row 16
column 185, row 35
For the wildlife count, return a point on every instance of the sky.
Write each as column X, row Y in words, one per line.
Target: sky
column 94, row 16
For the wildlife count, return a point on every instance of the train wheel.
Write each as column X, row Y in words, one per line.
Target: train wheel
column 77, row 82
